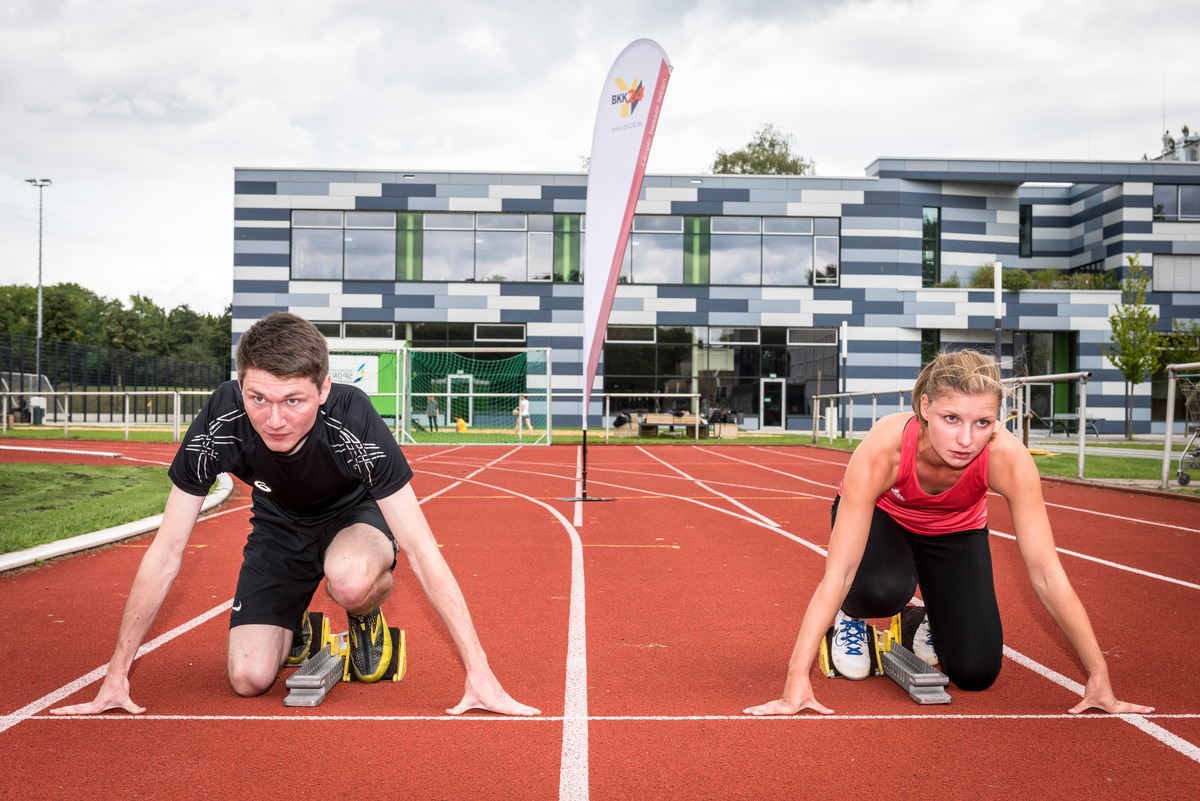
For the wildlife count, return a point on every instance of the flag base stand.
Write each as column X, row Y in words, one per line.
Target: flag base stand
column 583, row 475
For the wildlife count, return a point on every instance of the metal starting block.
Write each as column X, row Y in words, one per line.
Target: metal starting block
column 891, row 657
column 925, row 683
column 331, row 663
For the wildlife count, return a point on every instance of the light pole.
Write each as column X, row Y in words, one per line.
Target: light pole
column 40, row 183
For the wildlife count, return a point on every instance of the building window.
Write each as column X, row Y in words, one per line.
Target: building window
column 500, row 334
column 697, row 239
column 1025, row 232
column 735, row 251
column 1176, row 202
column 370, row 330
column 369, row 246
column 317, row 245
column 931, row 246
column 1173, row 273
column 931, row 343
column 568, row 247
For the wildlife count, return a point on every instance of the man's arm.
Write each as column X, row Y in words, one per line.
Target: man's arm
column 411, row 530
column 157, row 571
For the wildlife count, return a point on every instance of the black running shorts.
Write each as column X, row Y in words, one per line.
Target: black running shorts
column 283, row 565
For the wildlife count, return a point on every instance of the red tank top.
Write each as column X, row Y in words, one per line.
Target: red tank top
column 963, row 507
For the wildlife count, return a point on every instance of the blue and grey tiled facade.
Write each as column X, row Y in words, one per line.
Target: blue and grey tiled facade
column 1088, row 215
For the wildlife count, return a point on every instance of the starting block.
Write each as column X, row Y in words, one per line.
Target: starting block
column 330, row 664
column 891, row 656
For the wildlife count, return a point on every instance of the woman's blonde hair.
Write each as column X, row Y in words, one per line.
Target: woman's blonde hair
column 962, row 372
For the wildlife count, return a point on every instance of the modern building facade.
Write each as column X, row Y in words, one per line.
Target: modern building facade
column 756, row 292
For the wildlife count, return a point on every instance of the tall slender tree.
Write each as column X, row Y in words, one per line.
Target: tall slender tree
column 1136, row 345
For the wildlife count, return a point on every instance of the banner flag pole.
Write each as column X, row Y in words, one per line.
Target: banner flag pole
column 626, row 119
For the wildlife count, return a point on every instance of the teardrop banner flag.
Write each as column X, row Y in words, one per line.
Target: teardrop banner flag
column 625, row 123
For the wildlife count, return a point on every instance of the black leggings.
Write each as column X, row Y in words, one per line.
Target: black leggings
column 955, row 575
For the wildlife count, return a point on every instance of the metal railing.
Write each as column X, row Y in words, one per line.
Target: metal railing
column 60, row 409
column 1173, row 371
column 1017, row 384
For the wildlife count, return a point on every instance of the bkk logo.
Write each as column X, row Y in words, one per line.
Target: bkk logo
column 629, row 97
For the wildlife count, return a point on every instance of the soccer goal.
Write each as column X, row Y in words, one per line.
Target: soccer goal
column 481, row 396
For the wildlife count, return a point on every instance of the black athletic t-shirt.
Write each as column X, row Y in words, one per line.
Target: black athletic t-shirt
column 349, row 456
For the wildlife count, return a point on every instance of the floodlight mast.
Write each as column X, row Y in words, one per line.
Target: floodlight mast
column 40, row 183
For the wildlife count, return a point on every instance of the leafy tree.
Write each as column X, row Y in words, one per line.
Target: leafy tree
column 1136, row 346
column 1182, row 345
column 770, row 152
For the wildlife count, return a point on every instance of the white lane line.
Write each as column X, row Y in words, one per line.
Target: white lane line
column 1107, row 563
column 1169, row 739
column 709, row 489
column 573, row 771
column 10, row 720
column 483, row 717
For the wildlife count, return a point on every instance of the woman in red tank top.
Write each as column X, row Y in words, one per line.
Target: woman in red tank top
column 912, row 511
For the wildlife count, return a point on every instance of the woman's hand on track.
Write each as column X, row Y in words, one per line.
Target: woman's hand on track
column 1099, row 695
column 795, row 699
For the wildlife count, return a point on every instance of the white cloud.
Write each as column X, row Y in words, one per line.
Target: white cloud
column 139, row 110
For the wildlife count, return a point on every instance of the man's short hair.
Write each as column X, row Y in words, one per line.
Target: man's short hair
column 286, row 346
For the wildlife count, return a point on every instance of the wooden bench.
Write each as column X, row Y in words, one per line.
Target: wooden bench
column 650, row 424
column 1070, row 422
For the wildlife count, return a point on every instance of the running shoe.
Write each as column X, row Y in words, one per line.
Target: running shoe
column 923, row 643
column 370, row 645
column 301, row 643
column 851, row 647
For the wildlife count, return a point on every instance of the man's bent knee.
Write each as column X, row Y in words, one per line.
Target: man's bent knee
column 249, row 680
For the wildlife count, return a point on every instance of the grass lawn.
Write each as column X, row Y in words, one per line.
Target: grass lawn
column 48, row 502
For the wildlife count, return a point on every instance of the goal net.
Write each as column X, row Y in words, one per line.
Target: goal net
column 480, row 396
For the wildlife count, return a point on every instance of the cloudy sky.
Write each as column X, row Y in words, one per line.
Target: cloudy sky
column 139, row 110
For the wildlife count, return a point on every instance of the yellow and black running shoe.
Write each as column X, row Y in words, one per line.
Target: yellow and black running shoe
column 370, row 646
column 301, row 643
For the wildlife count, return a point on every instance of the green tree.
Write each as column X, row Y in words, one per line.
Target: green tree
column 1136, row 346
column 770, row 152
column 1182, row 345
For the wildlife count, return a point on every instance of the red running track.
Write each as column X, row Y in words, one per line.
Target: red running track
column 641, row 627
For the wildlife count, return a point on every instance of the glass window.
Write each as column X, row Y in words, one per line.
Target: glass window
column 499, row 333
column 370, row 254
column 825, row 261
column 317, row 254
column 370, row 219
column 658, row 224
column 500, row 256
column 541, row 256
column 316, row 219
column 787, row 260
column 1166, row 201
column 370, row 330
column 1189, row 202
column 657, row 258
column 736, row 225
column 630, row 333
column 456, row 222
column 329, row 330
column 448, row 255
column 787, row 225
column 735, row 259
column 744, row 336
column 827, row 226
column 500, row 222
column 1025, row 232
column 568, row 246
column 931, row 246
column 696, row 247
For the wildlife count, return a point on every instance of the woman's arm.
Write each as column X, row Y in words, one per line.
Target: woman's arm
column 871, row 472
column 1013, row 474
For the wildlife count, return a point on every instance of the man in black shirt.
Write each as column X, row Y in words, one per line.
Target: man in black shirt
column 331, row 499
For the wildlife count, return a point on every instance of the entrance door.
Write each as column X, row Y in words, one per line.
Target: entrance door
column 773, row 396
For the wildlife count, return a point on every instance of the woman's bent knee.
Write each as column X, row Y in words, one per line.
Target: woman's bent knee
column 249, row 681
